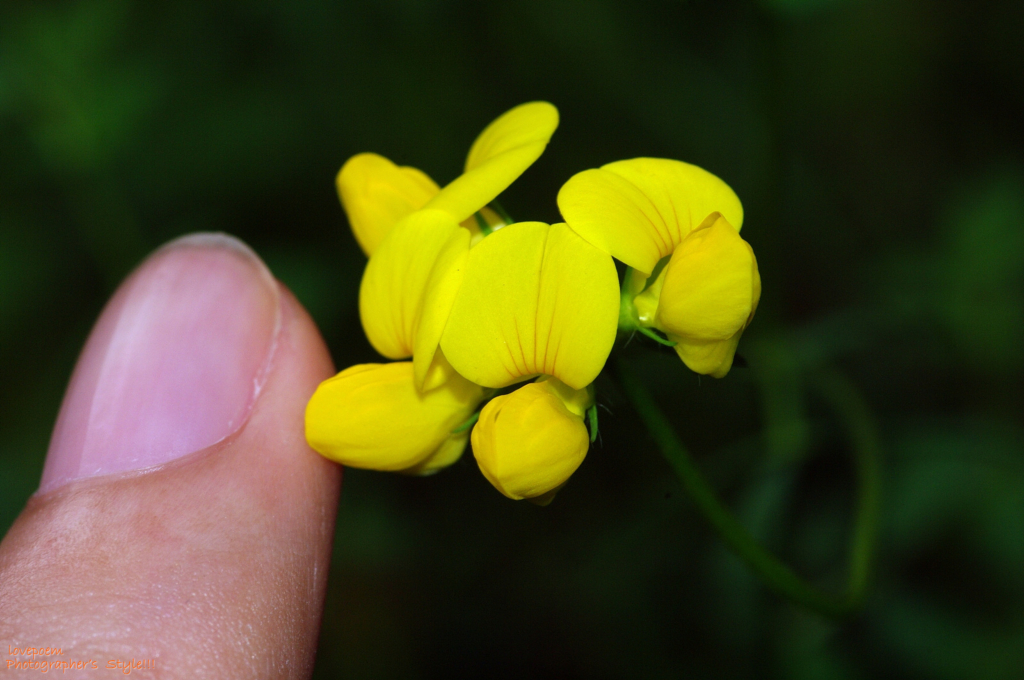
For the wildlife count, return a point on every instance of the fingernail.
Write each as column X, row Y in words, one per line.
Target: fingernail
column 174, row 364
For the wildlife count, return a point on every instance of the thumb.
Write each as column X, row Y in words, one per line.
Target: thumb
column 182, row 521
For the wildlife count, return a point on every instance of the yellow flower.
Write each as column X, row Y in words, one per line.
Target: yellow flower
column 417, row 244
column 705, row 296
column 401, row 416
column 377, row 194
column 529, row 442
column 644, row 210
column 535, row 299
column 372, row 416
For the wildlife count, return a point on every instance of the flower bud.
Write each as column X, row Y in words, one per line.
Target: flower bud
column 707, row 295
column 529, row 442
column 372, row 416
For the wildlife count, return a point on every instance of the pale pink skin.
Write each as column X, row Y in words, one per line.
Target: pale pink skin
column 181, row 517
column 174, row 363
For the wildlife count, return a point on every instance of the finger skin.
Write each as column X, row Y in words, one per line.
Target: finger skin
column 214, row 565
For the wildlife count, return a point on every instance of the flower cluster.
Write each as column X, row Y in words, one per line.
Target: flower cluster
column 470, row 304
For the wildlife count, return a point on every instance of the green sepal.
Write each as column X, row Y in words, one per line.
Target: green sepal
column 592, row 421
column 657, row 338
column 469, row 422
column 481, row 222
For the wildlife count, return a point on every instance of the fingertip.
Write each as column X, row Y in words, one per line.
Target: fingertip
column 214, row 562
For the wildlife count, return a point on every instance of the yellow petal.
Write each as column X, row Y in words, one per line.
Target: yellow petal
column 372, row 416
column 392, row 290
column 577, row 401
column 530, row 123
column 436, row 372
column 708, row 357
column 638, row 210
column 506, row 148
column 528, row 443
column 535, row 299
column 440, row 290
column 450, row 451
column 376, row 194
column 710, row 290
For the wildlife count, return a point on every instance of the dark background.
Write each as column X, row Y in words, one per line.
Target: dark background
column 878, row 148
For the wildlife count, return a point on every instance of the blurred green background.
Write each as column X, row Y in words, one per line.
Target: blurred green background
column 878, row 147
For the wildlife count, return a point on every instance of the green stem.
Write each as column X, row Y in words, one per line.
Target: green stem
column 848, row 402
column 769, row 568
column 632, row 284
column 481, row 222
column 654, row 336
column 466, row 424
column 506, row 218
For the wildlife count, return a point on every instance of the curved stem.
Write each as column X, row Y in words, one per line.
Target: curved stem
column 867, row 452
column 769, row 568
